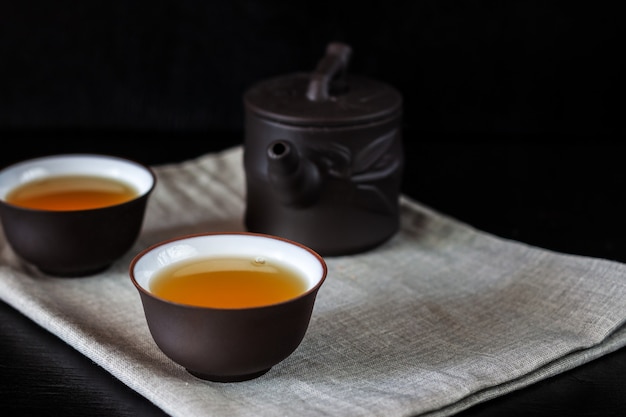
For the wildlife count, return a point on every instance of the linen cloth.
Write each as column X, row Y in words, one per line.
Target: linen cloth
column 440, row 317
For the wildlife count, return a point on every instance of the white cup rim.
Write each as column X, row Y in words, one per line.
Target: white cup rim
column 308, row 263
column 127, row 170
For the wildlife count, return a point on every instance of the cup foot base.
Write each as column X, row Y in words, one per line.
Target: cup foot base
column 74, row 274
column 228, row 378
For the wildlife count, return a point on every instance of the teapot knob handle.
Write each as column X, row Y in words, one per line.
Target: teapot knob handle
column 331, row 69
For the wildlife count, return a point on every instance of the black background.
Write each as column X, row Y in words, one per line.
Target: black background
column 513, row 122
column 471, row 67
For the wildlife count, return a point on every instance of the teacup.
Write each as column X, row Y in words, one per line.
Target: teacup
column 74, row 215
column 213, row 301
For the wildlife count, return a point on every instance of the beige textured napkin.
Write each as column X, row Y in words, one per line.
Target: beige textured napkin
column 439, row 318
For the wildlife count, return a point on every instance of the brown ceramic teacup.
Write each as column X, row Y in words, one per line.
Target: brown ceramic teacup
column 228, row 306
column 73, row 215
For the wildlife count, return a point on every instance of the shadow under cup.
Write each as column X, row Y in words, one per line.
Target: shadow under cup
column 235, row 343
column 75, row 242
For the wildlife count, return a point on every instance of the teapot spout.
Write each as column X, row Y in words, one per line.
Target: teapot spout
column 296, row 181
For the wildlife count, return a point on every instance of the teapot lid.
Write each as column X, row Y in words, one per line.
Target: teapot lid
column 326, row 97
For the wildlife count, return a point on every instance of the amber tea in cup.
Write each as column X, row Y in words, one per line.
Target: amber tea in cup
column 71, row 192
column 228, row 282
column 228, row 306
column 73, row 215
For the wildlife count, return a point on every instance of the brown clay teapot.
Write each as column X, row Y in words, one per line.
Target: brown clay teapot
column 323, row 157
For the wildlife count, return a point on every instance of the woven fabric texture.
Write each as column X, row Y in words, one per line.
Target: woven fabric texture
column 439, row 318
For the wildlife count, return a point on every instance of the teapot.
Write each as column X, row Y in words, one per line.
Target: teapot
column 323, row 157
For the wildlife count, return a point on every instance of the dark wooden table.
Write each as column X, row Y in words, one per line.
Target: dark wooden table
column 566, row 195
